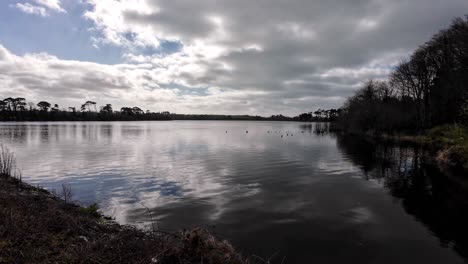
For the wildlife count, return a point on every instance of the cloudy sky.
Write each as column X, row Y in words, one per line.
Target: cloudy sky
column 209, row 56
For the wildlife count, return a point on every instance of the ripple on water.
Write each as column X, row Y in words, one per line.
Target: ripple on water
column 311, row 197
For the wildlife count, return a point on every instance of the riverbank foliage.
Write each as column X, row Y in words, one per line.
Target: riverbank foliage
column 450, row 142
column 425, row 98
column 453, row 141
column 429, row 89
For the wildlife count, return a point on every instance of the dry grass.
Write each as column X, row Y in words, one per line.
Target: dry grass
column 8, row 167
column 7, row 162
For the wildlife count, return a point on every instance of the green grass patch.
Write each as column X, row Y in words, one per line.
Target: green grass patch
column 450, row 134
column 92, row 210
column 454, row 140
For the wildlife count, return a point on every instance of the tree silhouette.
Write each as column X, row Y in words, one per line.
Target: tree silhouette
column 19, row 103
column 88, row 105
column 318, row 113
column 55, row 108
column 107, row 108
column 93, row 104
column 9, row 103
column 3, row 105
column 137, row 110
column 126, row 110
column 44, row 106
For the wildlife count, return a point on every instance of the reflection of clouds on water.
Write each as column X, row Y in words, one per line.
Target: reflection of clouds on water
column 155, row 163
column 336, row 166
column 289, row 206
column 292, row 191
column 160, row 163
column 359, row 215
column 247, row 190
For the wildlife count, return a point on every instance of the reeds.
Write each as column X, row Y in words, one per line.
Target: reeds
column 8, row 167
column 7, row 162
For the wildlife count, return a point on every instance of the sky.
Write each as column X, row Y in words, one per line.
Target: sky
column 259, row 57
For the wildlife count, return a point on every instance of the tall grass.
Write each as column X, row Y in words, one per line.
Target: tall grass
column 7, row 162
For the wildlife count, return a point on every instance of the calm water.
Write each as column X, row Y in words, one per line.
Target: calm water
column 308, row 197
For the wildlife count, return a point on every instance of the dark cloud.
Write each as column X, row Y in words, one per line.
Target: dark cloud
column 300, row 39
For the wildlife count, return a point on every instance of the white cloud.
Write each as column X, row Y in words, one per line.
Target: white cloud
column 272, row 46
column 157, row 85
column 51, row 4
column 108, row 19
column 41, row 7
column 32, row 9
column 255, row 57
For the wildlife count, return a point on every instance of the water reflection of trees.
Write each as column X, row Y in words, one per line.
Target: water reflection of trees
column 319, row 128
column 437, row 199
column 106, row 131
column 434, row 198
column 15, row 133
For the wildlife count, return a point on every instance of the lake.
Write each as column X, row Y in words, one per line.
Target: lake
column 281, row 190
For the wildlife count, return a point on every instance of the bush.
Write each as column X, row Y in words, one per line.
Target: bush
column 92, row 210
column 453, row 140
column 450, row 134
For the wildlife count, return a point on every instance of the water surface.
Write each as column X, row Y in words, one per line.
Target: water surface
column 276, row 189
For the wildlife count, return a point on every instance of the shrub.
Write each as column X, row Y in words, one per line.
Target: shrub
column 92, row 210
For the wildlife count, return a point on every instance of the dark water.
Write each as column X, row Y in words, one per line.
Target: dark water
column 307, row 197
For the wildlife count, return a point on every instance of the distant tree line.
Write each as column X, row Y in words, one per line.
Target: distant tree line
column 428, row 89
column 18, row 109
column 320, row 115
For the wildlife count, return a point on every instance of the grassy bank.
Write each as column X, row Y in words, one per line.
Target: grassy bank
column 452, row 143
column 39, row 227
column 448, row 142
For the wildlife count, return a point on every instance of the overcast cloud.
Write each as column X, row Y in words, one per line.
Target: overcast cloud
column 241, row 57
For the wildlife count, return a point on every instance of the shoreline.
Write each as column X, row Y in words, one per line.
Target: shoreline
column 37, row 226
column 162, row 120
column 448, row 144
